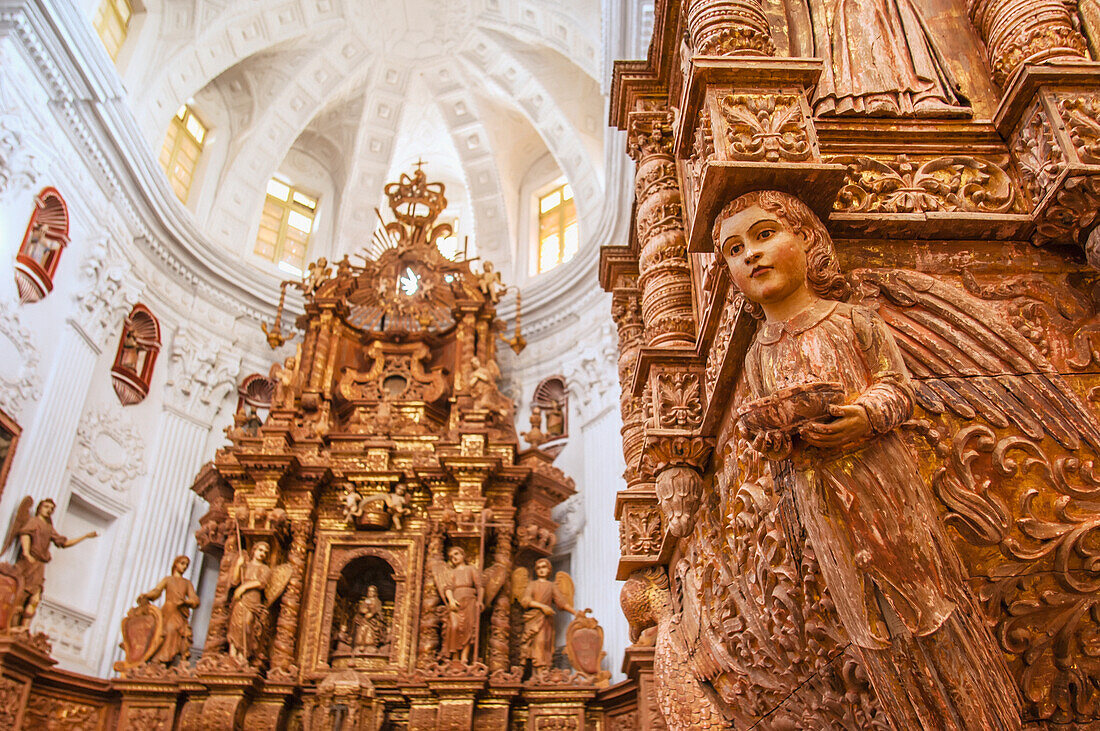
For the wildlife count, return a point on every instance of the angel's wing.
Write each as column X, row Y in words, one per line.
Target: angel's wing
column 563, row 589
column 521, row 577
column 18, row 520
column 494, row 578
column 967, row 360
column 439, row 577
column 276, row 584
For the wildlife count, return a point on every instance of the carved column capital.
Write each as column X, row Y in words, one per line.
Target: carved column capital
column 729, row 28
column 201, row 371
column 1019, row 33
column 650, row 133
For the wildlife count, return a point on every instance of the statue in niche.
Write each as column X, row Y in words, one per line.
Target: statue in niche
column 34, row 534
column 555, row 420
column 369, row 633
column 829, row 390
column 40, row 245
column 258, row 587
column 880, row 60
column 539, row 598
column 161, row 635
column 460, row 587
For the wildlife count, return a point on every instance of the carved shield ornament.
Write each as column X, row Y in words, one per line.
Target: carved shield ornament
column 10, row 585
column 142, row 634
column 584, row 644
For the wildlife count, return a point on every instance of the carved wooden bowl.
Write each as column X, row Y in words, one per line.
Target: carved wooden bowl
column 789, row 408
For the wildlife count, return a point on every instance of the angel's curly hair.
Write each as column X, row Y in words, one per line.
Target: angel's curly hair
column 822, row 267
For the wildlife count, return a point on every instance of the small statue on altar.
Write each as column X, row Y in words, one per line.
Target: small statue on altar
column 283, row 376
column 539, row 598
column 897, row 585
column 460, row 587
column 535, row 436
column 490, row 284
column 34, row 533
column 40, row 245
column 258, row 587
column 370, row 633
column 353, row 505
column 317, row 274
column 483, row 385
column 395, row 503
column 166, row 640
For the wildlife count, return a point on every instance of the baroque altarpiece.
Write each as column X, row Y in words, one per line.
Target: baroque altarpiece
column 383, row 544
column 877, row 509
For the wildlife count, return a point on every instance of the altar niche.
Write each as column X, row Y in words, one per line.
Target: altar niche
column 362, row 616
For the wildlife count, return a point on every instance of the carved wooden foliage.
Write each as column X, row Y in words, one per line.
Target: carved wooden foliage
column 954, row 183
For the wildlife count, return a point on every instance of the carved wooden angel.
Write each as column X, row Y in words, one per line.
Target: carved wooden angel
column 396, row 503
column 258, row 587
column 33, row 534
column 539, row 597
column 461, row 588
column 353, row 504
column 897, row 584
column 160, row 634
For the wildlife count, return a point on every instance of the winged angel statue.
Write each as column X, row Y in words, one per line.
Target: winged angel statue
column 836, row 368
column 539, row 597
column 258, row 587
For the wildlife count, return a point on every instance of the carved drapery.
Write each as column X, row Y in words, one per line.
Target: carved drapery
column 664, row 274
column 1018, row 33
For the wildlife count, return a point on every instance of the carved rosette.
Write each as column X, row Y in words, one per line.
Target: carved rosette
column 664, row 272
column 729, row 28
column 1018, row 33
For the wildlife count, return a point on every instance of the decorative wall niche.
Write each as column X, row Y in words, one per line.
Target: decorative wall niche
column 549, row 416
column 46, row 236
column 362, row 618
column 137, row 353
column 254, row 397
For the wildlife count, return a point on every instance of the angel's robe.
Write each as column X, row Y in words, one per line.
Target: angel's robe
column 538, row 627
column 42, row 534
column 866, row 510
column 243, row 624
column 179, row 597
column 464, row 583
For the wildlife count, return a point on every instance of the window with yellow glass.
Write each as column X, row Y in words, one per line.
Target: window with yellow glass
column 559, row 237
column 285, row 226
column 182, row 146
column 112, row 22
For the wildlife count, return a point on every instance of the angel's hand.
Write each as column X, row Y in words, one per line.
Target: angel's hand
column 851, row 425
column 772, row 445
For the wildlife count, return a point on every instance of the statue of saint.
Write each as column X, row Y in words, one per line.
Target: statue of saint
column 369, row 624
column 258, row 587
column 539, row 597
column 35, row 534
column 162, row 635
column 897, row 585
column 880, row 61
column 460, row 587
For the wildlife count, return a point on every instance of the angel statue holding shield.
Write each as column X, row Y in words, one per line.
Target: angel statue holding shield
column 258, row 587
column 539, row 598
column 897, row 584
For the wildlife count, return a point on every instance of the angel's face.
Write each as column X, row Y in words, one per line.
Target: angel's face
column 766, row 260
column 542, row 569
column 260, row 552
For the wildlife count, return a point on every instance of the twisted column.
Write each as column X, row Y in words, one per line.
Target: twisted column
column 282, row 657
column 1018, row 32
column 502, row 605
column 626, row 312
column 664, row 272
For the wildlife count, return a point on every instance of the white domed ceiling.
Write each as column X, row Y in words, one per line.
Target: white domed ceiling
column 497, row 97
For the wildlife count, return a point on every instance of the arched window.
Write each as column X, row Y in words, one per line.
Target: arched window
column 550, row 415
column 137, row 353
column 47, row 234
column 182, row 146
